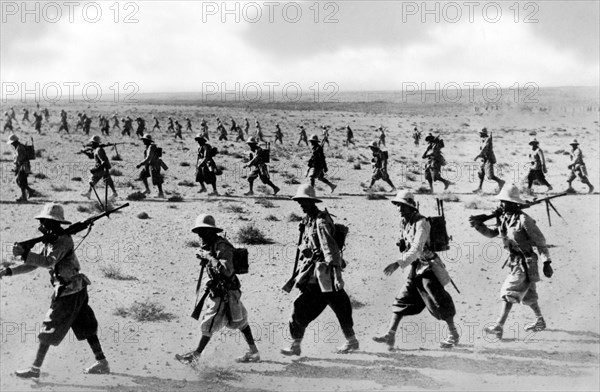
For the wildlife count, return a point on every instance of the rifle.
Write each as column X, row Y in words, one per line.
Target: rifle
column 72, row 229
column 496, row 213
column 89, row 149
column 289, row 285
column 199, row 304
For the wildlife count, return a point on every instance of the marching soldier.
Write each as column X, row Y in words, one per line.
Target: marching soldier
column 170, row 125
column 141, row 126
column 152, row 166
column 221, row 130
column 104, row 125
column 101, row 169
column 156, row 124
column 116, row 122
column 25, row 116
column 259, row 133
column 22, row 168
column 380, row 162
column 302, row 136
column 233, row 127
column 63, row 122
column 12, row 114
column 240, row 134
column 325, row 135
column 278, row 134
column 435, row 161
column 349, row 136
column 246, row 126
column 205, row 165
column 178, row 128
column 260, row 169
column 488, row 159
column 127, row 126
column 381, row 136
column 46, row 114
column 204, row 129
column 37, row 122
column 423, row 288
column 520, row 234
column 317, row 166
column 537, row 170
column 577, row 167
column 87, row 124
column 188, row 124
column 416, row 136
column 69, row 308
column 80, row 120
column 223, row 291
column 319, row 276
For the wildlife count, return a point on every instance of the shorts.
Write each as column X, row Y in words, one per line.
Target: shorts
column 316, row 174
column 68, row 312
column 100, row 174
column 261, row 172
column 486, row 169
column 517, row 289
column 232, row 314
column 157, row 178
column 380, row 174
column 204, row 174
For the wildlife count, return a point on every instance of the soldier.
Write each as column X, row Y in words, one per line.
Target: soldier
column 233, row 128
column 246, row 126
column 101, row 169
column 240, row 134
column 188, row 124
column 178, row 128
column 302, row 136
column 170, row 125
column 278, row 134
column 104, row 125
column 319, row 276
column 519, row 234
column 204, row 129
column 8, row 123
column 25, row 116
column 205, row 165
column 152, row 166
column 488, row 159
column 259, row 133
column 416, row 136
column 325, row 135
column 537, row 170
column 221, row 130
column 260, row 169
column 87, row 124
column 46, row 114
column 127, row 126
column 63, row 122
column 79, row 123
column 156, row 124
column 37, row 122
column 379, row 163
column 69, row 308
column 317, row 166
column 381, row 136
column 435, row 161
column 12, row 114
column 349, row 136
column 423, row 288
column 141, row 126
column 22, row 168
column 577, row 167
column 116, row 122
column 223, row 290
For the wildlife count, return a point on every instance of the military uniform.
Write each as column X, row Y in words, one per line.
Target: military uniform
column 577, row 167
column 259, row 167
column 278, row 134
column 349, row 136
column 302, row 136
column 63, row 122
column 152, row 164
column 22, row 168
column 141, row 126
column 37, row 122
column 488, row 160
column 205, row 166
column 8, row 123
column 435, row 161
column 379, row 162
column 537, row 169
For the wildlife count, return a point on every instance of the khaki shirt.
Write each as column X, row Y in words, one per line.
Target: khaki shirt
column 487, row 151
column 576, row 158
column 414, row 232
column 537, row 160
column 20, row 159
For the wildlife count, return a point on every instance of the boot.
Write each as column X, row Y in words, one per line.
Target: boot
column 249, row 357
column 188, row 358
column 539, row 325
column 28, row 373
column 497, row 330
column 451, row 341
column 590, row 188
column 99, row 367
column 348, row 347
column 332, row 186
column 293, row 350
column 276, row 190
column 161, row 195
column 388, row 339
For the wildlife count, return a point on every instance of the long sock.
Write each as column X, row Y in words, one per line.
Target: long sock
column 41, row 354
column 96, row 347
column 202, row 344
column 536, row 310
column 394, row 322
column 506, row 307
column 451, row 326
column 247, row 332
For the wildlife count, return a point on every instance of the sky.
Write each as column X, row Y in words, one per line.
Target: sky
column 266, row 47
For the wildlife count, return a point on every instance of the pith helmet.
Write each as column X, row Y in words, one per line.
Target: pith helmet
column 510, row 192
column 251, row 140
column 405, row 197
column 533, row 141
column 199, row 137
column 483, row 132
column 574, row 142
column 429, row 138
column 94, row 139
column 313, row 138
column 12, row 138
column 53, row 211
column 147, row 137
column 373, row 145
column 306, row 192
column 204, row 221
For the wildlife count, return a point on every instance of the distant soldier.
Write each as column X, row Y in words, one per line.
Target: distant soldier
column 170, row 125
column 8, row 123
column 116, row 122
column 37, row 122
column 259, row 133
column 101, row 169
column 152, row 164
column 240, row 134
column 221, row 130
column 577, row 167
column 69, row 308
column 246, row 126
column 205, row 165
column 422, row 288
column 257, row 162
column 104, row 125
column 22, row 168
column 520, row 234
column 416, row 136
column 278, row 134
column 537, row 170
column 349, row 136
column 325, row 135
column 204, row 129
column 302, row 136
column 317, row 166
column 233, row 128
column 87, row 124
column 46, row 114
column 222, row 290
column 156, row 124
column 319, row 276
column 25, row 116
column 381, row 136
column 12, row 114
column 380, row 166
column 488, row 159
column 435, row 161
column 79, row 123
column 141, row 126
column 188, row 124
column 127, row 126
column 63, row 122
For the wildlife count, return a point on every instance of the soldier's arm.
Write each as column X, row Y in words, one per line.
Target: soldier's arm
column 535, row 235
column 484, row 230
column 57, row 251
column 223, row 262
column 103, row 158
column 415, row 249
column 331, row 253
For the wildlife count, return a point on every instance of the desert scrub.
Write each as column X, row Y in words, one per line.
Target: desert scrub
column 251, row 235
column 145, row 311
column 111, row 271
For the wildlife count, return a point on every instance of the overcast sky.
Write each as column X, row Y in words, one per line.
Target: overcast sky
column 370, row 45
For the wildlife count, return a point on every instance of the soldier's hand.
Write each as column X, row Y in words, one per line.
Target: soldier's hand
column 338, row 282
column 301, row 226
column 138, row 166
column 545, row 170
column 18, row 250
column 548, row 271
column 390, row 269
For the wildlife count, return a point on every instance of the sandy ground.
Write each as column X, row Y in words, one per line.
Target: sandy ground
column 158, row 253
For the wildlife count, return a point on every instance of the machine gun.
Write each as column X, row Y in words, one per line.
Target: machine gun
column 88, row 149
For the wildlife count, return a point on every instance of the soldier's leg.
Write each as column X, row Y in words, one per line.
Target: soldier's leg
column 429, row 178
column 326, row 181
column 253, row 176
column 481, row 175
column 339, row 302
column 440, row 304
column 438, row 177
column 307, row 307
column 111, row 184
column 145, row 182
column 492, row 176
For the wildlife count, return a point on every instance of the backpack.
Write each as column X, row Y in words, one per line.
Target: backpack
column 29, row 151
column 240, row 258
column 213, row 151
column 438, row 235
column 340, row 232
column 265, row 154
